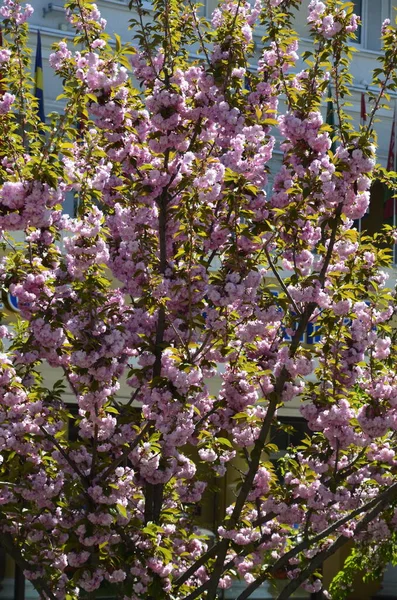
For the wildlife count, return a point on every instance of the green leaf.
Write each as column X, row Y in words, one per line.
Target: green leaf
column 122, row 510
column 118, row 42
column 224, row 442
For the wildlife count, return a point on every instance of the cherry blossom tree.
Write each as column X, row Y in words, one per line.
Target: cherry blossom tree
column 183, row 266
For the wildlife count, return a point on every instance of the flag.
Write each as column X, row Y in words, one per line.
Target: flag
column 388, row 209
column 38, row 79
column 2, row 86
column 330, row 118
column 363, row 114
column 247, row 82
column 392, row 145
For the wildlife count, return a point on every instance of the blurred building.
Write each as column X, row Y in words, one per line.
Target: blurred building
column 49, row 19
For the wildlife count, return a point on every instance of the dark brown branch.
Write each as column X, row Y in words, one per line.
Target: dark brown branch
column 275, row 398
column 376, row 504
column 117, row 461
column 339, row 542
column 193, row 568
column 9, row 546
column 154, row 492
column 200, row 35
column 66, row 456
column 281, row 282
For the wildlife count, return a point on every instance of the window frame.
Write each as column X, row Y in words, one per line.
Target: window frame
column 362, row 42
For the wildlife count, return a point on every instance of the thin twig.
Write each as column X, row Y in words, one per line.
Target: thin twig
column 281, row 282
column 117, row 461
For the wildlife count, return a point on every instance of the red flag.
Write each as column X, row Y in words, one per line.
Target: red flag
column 388, row 210
column 363, row 109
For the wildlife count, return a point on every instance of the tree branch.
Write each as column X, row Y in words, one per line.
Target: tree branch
column 376, row 504
column 281, row 282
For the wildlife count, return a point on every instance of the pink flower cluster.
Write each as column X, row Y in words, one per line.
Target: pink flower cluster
column 183, row 307
column 27, row 204
column 13, row 10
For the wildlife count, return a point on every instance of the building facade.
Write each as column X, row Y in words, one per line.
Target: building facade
column 49, row 19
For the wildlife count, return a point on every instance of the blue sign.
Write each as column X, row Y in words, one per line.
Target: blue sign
column 10, row 302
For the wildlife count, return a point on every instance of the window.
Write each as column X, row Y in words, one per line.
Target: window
column 372, row 14
column 147, row 4
column 382, row 210
column 288, row 435
column 73, row 428
column 358, row 10
column 70, row 204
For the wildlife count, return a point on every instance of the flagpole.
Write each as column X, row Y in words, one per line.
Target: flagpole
column 363, row 120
